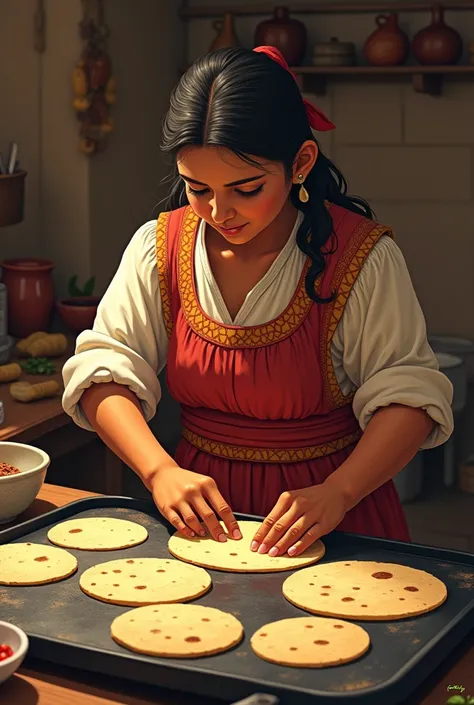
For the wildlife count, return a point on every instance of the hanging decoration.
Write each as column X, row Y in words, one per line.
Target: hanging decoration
column 93, row 83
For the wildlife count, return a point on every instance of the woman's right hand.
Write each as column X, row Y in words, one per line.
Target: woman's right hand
column 186, row 498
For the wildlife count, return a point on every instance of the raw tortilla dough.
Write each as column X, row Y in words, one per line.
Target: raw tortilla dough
column 97, row 534
column 312, row 642
column 365, row 590
column 183, row 631
column 235, row 556
column 144, row 581
column 34, row 564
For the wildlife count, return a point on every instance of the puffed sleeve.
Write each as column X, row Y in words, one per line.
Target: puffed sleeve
column 380, row 346
column 128, row 343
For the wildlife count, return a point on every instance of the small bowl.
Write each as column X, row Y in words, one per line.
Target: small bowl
column 79, row 312
column 17, row 639
column 18, row 491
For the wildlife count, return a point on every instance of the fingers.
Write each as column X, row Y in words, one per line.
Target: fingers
column 183, row 518
column 272, row 523
column 190, row 518
column 174, row 519
column 201, row 500
column 292, row 536
column 312, row 534
column 224, row 511
column 210, row 519
column 285, row 532
column 293, row 531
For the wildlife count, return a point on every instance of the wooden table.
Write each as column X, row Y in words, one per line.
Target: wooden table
column 39, row 683
column 43, row 422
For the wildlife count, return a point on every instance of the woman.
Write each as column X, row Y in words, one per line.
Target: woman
column 286, row 317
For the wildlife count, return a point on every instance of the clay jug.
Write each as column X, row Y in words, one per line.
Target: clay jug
column 227, row 36
column 30, row 294
column 437, row 44
column 285, row 33
column 387, row 45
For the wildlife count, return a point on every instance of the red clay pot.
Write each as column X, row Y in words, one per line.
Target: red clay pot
column 285, row 33
column 78, row 313
column 438, row 44
column 388, row 45
column 30, row 294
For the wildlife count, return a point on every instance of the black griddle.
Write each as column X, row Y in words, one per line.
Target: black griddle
column 68, row 628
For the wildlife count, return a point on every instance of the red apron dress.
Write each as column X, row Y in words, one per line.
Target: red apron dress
column 261, row 408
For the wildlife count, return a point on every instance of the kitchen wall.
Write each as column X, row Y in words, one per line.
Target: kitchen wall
column 81, row 212
column 20, row 77
column 410, row 155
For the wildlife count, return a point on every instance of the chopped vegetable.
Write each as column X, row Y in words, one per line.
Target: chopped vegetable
column 38, row 366
column 5, row 651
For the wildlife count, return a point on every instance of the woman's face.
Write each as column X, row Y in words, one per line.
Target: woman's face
column 237, row 199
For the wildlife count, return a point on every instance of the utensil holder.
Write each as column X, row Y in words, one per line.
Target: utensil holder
column 12, row 198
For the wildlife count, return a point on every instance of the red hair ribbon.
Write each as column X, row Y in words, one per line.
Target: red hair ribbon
column 316, row 118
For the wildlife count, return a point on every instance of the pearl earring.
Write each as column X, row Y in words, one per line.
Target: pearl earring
column 303, row 194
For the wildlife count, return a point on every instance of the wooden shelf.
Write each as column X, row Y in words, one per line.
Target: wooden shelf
column 425, row 79
column 327, row 8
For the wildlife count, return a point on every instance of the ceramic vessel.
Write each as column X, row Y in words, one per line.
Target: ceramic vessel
column 285, row 33
column 16, row 637
column 78, row 313
column 17, row 492
column 438, row 44
column 30, row 294
column 226, row 36
column 388, row 45
column 334, row 53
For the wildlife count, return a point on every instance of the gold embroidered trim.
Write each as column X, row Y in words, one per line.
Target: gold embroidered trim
column 162, row 266
column 268, row 455
column 335, row 310
column 228, row 336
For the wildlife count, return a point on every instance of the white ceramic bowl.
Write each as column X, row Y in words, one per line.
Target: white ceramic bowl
column 17, row 639
column 18, row 491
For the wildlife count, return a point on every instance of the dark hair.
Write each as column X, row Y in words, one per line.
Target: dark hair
column 246, row 102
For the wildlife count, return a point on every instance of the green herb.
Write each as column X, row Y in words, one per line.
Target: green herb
column 38, row 366
column 74, row 291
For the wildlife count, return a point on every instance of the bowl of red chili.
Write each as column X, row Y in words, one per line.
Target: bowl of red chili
column 22, row 472
column 13, row 648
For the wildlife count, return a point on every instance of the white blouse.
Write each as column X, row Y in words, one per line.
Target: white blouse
column 379, row 349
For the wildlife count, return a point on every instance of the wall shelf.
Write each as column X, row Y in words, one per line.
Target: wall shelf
column 425, row 79
column 328, row 8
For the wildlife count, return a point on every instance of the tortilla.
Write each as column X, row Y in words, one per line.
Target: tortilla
column 34, row 564
column 365, row 590
column 235, row 556
column 180, row 631
column 313, row 642
column 144, row 581
column 97, row 534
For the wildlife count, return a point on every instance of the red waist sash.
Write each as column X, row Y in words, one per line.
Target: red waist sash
column 237, row 437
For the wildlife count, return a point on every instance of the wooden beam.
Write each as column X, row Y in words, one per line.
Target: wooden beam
column 329, row 8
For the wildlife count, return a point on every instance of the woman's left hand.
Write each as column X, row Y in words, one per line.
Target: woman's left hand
column 299, row 518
